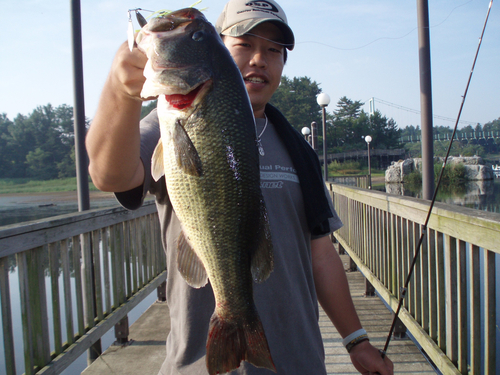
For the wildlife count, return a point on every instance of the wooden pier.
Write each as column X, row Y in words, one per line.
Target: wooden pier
column 146, row 352
column 116, row 259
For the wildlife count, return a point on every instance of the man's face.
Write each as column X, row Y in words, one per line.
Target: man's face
column 260, row 60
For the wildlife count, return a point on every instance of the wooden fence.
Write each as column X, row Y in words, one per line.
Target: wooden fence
column 357, row 181
column 99, row 265
column 450, row 305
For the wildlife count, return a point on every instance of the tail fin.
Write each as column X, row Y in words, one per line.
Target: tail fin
column 232, row 341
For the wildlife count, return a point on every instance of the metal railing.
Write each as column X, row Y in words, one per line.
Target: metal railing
column 450, row 305
column 97, row 266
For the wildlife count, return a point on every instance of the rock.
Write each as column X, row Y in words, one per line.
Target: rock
column 478, row 172
column 466, row 160
column 474, row 166
column 397, row 170
column 406, row 168
column 393, row 173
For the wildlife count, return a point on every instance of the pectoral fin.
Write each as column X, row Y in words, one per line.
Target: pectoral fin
column 157, row 168
column 262, row 263
column 185, row 153
column 189, row 265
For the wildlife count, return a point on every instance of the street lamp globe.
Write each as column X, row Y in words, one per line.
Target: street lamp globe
column 305, row 132
column 368, row 139
column 323, row 99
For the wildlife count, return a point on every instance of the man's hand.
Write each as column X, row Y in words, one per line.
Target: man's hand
column 368, row 360
column 113, row 140
column 126, row 74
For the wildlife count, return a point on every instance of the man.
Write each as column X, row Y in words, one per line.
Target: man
column 307, row 267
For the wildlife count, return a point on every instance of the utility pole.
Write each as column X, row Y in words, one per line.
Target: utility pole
column 81, row 153
column 79, row 109
column 424, row 52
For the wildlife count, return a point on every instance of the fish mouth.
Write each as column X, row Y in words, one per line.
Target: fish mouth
column 171, row 21
column 191, row 99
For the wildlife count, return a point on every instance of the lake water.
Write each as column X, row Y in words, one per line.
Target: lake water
column 479, row 195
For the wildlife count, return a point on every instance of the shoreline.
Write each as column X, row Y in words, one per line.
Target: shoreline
column 16, row 208
column 27, row 200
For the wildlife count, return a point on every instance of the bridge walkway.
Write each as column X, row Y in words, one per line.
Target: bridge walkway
column 145, row 354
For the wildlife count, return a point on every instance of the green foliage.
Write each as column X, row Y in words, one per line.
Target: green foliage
column 470, row 140
column 414, row 149
column 452, row 174
column 146, row 108
column 350, row 124
column 345, row 168
column 296, row 99
column 413, row 179
column 40, row 145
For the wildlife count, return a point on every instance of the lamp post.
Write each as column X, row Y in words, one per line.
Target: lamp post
column 323, row 101
column 305, row 132
column 314, row 136
column 368, row 139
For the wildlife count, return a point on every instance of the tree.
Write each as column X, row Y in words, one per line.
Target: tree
column 296, row 99
column 346, row 108
column 5, row 151
column 146, row 108
column 39, row 145
column 384, row 132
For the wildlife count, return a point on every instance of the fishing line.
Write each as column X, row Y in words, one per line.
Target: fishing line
column 270, row 40
column 384, row 37
column 404, row 289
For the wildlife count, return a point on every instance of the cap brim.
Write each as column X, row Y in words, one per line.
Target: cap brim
column 243, row 27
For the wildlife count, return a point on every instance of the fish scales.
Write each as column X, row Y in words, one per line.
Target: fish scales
column 208, row 155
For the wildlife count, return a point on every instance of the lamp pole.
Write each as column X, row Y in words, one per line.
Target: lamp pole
column 368, row 139
column 323, row 101
column 314, row 136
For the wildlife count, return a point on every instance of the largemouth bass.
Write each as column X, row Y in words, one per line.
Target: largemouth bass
column 209, row 157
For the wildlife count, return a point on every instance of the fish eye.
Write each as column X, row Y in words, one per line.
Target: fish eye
column 198, row 36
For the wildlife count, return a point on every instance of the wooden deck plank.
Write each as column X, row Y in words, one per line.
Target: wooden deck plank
column 150, row 331
column 376, row 319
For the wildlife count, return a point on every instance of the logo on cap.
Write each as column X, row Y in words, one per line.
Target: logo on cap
column 263, row 5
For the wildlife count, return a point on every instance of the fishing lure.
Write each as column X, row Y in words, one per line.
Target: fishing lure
column 130, row 31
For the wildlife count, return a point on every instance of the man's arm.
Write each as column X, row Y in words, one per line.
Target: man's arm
column 335, row 299
column 113, row 140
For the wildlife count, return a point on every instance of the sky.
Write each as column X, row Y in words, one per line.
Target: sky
column 360, row 49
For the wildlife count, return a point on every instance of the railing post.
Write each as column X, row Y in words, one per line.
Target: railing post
column 352, row 265
column 399, row 330
column 122, row 331
column 369, row 289
column 162, row 292
column 341, row 249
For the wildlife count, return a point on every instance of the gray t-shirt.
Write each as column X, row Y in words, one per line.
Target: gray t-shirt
column 286, row 301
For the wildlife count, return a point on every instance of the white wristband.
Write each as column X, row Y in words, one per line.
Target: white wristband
column 353, row 335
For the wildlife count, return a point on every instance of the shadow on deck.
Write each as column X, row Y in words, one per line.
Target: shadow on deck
column 146, row 352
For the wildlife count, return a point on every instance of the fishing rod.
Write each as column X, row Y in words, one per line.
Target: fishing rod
column 404, row 289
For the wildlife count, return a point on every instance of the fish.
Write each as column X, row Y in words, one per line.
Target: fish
column 208, row 154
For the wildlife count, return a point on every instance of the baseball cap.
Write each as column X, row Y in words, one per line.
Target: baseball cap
column 240, row 16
